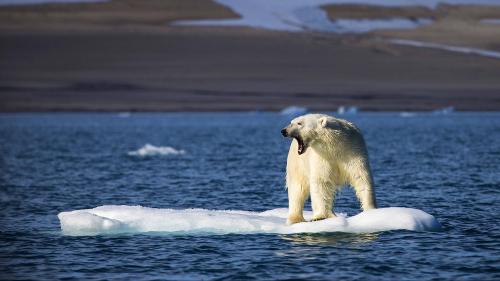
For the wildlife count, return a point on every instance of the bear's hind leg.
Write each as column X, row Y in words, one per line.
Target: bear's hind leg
column 363, row 186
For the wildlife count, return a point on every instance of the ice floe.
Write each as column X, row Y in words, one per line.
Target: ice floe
column 151, row 150
column 406, row 114
column 351, row 110
column 124, row 114
column 444, row 110
column 137, row 219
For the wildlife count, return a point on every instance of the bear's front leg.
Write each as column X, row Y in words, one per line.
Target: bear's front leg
column 297, row 196
column 321, row 200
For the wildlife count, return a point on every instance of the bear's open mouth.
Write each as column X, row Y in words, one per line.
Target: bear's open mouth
column 302, row 146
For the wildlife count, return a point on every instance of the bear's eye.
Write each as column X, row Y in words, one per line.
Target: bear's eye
column 299, row 123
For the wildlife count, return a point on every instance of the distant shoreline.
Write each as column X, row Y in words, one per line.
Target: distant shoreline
column 198, row 69
column 121, row 56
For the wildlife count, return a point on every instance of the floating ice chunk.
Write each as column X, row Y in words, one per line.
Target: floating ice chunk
column 151, row 150
column 89, row 223
column 347, row 110
column 394, row 218
column 124, row 114
column 137, row 219
column 341, row 110
column 406, row 114
column 444, row 111
column 293, row 111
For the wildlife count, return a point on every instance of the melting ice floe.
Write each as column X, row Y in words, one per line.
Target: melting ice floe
column 347, row 110
column 151, row 150
column 406, row 114
column 137, row 219
column 124, row 114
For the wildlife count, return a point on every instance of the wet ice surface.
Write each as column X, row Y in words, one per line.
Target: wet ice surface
column 445, row 165
column 138, row 219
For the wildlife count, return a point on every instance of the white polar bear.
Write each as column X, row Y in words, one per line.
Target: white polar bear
column 326, row 153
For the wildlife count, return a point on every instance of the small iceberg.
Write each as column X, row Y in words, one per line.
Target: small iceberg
column 124, row 114
column 137, row 219
column 406, row 114
column 444, row 111
column 293, row 111
column 151, row 150
column 341, row 110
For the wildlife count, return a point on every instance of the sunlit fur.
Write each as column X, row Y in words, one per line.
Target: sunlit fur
column 335, row 156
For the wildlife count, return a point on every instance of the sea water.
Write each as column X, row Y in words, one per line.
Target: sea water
column 198, row 172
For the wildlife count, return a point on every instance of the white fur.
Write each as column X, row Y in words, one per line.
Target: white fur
column 335, row 156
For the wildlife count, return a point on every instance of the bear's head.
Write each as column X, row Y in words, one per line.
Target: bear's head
column 305, row 129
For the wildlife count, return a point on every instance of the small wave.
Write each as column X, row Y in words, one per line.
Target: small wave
column 151, row 150
column 137, row 219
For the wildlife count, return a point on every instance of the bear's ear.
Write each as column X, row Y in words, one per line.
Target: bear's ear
column 323, row 121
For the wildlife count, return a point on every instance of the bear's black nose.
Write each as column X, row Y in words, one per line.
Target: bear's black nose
column 284, row 133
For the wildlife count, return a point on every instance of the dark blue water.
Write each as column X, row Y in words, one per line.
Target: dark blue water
column 448, row 166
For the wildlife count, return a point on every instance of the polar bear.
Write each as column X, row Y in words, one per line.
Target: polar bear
column 326, row 153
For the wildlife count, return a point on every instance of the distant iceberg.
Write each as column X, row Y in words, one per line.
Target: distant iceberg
column 137, row 219
column 151, row 150
column 406, row 114
column 293, row 111
column 347, row 110
column 444, row 111
column 124, row 114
